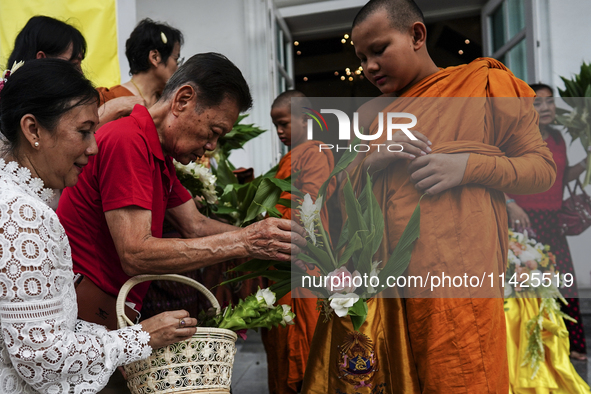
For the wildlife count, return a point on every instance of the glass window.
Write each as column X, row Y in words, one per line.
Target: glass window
column 498, row 27
column 515, row 16
column 518, row 60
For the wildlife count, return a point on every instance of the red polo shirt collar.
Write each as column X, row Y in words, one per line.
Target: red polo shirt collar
column 145, row 121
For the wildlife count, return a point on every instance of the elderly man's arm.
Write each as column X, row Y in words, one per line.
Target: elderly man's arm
column 190, row 223
column 141, row 253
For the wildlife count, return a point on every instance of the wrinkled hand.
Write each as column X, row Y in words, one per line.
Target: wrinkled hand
column 274, row 239
column 438, row 172
column 518, row 219
column 166, row 328
column 412, row 149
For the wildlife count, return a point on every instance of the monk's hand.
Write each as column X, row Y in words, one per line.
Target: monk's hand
column 518, row 219
column 274, row 239
column 411, row 149
column 438, row 172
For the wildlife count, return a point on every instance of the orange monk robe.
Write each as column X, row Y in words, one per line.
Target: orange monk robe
column 447, row 345
column 114, row 92
column 288, row 347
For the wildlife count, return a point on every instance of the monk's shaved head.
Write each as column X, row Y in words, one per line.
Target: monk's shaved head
column 402, row 13
column 284, row 99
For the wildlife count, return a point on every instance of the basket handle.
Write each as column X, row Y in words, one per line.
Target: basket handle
column 123, row 320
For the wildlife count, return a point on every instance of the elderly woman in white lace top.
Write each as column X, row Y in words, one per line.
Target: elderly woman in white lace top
column 48, row 113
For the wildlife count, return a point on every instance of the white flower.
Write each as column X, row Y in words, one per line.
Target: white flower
column 310, row 212
column 527, row 255
column 288, row 316
column 341, row 303
column 266, row 296
column 512, row 259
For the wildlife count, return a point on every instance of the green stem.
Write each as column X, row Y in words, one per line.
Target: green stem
column 327, row 241
column 588, row 174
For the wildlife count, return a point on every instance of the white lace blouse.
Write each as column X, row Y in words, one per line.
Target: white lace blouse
column 43, row 347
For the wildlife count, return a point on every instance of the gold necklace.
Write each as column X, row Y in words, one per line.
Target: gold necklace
column 138, row 89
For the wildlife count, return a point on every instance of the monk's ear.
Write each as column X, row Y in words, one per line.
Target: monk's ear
column 419, row 35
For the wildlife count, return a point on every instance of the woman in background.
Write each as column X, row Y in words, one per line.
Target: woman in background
column 153, row 51
column 539, row 212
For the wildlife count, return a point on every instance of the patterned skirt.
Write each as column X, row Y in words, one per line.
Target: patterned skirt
column 545, row 225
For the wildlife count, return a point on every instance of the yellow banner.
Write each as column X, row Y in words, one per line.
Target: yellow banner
column 96, row 20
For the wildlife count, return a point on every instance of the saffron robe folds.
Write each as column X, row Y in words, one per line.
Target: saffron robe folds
column 455, row 344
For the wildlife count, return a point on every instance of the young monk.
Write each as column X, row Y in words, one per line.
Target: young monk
column 288, row 347
column 469, row 153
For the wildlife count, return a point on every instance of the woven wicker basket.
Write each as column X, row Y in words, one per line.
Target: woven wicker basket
column 202, row 363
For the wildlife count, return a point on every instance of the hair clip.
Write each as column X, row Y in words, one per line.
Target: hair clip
column 163, row 37
column 4, row 76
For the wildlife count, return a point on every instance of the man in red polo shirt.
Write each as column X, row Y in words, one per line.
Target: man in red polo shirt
column 114, row 215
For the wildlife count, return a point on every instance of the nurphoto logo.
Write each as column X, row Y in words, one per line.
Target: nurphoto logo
column 392, row 125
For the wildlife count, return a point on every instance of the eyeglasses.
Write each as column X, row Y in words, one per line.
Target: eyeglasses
column 180, row 61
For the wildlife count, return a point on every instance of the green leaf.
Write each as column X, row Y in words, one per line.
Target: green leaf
column 224, row 173
column 272, row 172
column 344, row 237
column 284, row 202
column 322, row 258
column 358, row 313
column 354, row 215
column 374, row 217
column 353, row 246
column 265, row 198
column 400, row 258
column 282, row 184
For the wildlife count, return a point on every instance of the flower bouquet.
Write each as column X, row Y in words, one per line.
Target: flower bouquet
column 257, row 310
column 577, row 94
column 345, row 292
column 531, row 273
column 200, row 182
column 531, row 269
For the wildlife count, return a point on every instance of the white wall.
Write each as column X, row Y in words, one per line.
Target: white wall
column 220, row 26
column 126, row 21
column 565, row 28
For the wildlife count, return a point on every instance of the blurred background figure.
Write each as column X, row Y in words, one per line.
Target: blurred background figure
column 539, row 213
column 153, row 51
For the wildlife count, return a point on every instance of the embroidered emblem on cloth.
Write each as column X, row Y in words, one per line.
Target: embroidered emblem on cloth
column 357, row 361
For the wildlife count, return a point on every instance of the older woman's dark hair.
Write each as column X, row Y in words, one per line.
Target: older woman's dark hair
column 46, row 89
column 539, row 86
column 53, row 37
column 214, row 77
column 147, row 36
